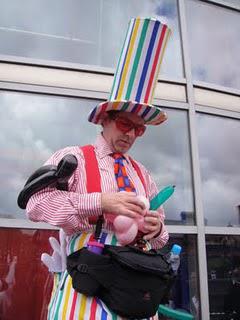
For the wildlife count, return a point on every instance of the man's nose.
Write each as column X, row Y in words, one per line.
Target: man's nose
column 131, row 133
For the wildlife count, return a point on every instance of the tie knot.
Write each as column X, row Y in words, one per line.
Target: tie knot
column 117, row 155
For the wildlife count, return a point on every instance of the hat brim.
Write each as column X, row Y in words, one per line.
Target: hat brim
column 151, row 115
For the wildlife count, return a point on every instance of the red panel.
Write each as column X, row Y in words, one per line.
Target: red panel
column 25, row 283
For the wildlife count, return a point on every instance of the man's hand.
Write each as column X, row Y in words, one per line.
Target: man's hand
column 122, row 203
column 152, row 224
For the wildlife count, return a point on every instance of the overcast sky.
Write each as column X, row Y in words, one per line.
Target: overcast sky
column 219, row 155
column 34, row 126
column 92, row 32
column 214, row 43
column 87, row 32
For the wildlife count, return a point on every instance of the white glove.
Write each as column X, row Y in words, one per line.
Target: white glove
column 57, row 261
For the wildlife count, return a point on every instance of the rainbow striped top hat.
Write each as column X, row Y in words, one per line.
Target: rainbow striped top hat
column 137, row 72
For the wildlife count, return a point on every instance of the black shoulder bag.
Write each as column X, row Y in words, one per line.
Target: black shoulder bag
column 130, row 281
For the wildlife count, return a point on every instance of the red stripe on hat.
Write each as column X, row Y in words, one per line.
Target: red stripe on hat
column 155, row 62
column 138, row 108
column 103, row 108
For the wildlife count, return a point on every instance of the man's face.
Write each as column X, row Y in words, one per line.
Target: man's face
column 118, row 140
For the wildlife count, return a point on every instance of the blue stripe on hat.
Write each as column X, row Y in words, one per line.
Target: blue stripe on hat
column 93, row 114
column 135, row 107
column 147, row 60
column 123, row 65
column 119, row 62
column 146, row 112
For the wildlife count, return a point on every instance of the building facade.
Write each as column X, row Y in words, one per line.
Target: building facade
column 57, row 61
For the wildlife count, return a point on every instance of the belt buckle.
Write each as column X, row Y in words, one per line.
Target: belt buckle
column 142, row 244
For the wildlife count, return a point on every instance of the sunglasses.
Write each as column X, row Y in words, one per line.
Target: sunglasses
column 125, row 125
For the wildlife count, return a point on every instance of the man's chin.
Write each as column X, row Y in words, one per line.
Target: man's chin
column 122, row 146
column 122, row 149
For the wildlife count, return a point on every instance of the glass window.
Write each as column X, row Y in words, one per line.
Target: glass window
column 184, row 294
column 223, row 260
column 219, row 151
column 231, row 2
column 86, row 32
column 166, row 154
column 25, row 283
column 20, row 252
column 214, row 43
column 32, row 128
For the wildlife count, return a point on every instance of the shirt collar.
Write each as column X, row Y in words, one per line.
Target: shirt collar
column 103, row 149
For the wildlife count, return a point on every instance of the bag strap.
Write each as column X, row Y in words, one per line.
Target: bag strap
column 93, row 182
column 92, row 169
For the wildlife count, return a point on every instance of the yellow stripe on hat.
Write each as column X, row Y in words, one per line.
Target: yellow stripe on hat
column 129, row 55
column 168, row 33
column 119, row 69
column 115, row 105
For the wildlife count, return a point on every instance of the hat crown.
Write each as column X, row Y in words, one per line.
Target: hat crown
column 140, row 60
column 137, row 72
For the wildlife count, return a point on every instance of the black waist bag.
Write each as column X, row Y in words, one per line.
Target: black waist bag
column 129, row 281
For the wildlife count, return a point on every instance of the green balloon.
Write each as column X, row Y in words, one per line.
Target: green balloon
column 174, row 314
column 161, row 197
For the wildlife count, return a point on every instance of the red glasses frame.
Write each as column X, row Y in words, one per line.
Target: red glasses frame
column 126, row 125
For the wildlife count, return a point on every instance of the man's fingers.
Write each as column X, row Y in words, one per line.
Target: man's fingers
column 149, row 236
column 124, row 203
column 135, row 208
column 150, row 228
column 152, row 220
column 134, row 199
column 129, row 213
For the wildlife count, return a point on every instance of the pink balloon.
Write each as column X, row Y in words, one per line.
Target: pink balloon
column 126, row 229
column 122, row 223
column 127, row 237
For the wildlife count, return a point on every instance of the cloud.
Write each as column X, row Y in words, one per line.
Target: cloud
column 165, row 152
column 214, row 46
column 85, row 32
column 32, row 128
column 219, row 159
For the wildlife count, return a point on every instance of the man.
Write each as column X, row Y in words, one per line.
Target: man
column 70, row 210
column 123, row 118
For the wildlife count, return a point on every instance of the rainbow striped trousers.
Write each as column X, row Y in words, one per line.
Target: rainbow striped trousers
column 68, row 304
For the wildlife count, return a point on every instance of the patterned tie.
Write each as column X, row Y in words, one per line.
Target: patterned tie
column 125, row 184
column 123, row 181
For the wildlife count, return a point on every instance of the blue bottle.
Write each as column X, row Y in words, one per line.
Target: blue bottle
column 175, row 257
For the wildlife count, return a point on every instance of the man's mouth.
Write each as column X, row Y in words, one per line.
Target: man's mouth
column 125, row 142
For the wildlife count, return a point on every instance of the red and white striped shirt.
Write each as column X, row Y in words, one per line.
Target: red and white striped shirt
column 70, row 210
